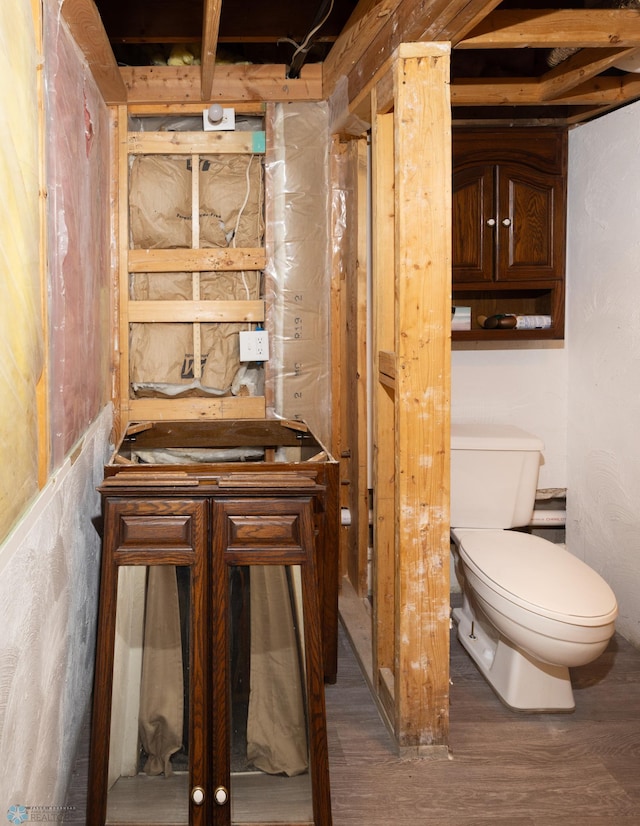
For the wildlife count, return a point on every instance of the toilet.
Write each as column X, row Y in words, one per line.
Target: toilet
column 530, row 609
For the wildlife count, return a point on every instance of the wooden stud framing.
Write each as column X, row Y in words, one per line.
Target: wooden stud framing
column 422, row 277
column 411, row 297
column 42, row 386
column 349, row 349
column 193, row 260
column 359, row 412
column 383, row 328
column 258, row 83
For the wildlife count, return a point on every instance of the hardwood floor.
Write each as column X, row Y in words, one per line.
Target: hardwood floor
column 580, row 769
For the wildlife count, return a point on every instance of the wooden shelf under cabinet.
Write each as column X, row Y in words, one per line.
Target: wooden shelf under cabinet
column 529, row 298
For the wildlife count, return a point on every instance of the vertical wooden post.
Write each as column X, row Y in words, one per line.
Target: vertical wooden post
column 123, row 268
column 422, row 139
column 360, row 501
column 349, row 348
column 42, row 386
column 383, row 332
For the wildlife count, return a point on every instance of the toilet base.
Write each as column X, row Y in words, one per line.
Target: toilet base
column 521, row 682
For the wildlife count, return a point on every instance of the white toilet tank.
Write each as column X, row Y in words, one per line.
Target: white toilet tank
column 494, row 475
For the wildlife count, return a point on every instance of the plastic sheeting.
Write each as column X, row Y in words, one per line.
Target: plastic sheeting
column 20, row 328
column 79, row 241
column 298, row 231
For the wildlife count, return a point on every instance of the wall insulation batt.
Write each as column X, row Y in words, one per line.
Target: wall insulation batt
column 20, row 324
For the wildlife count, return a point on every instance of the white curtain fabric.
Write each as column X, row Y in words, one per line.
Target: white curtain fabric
column 276, row 723
column 162, row 690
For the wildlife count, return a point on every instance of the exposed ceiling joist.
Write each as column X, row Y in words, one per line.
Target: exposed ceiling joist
column 210, row 29
column 579, row 68
column 566, row 28
column 85, row 25
column 500, row 61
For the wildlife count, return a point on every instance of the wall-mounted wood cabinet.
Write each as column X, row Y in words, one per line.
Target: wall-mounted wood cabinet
column 509, row 219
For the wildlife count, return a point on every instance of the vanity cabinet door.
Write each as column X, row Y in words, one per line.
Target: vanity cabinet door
column 267, row 643
column 149, row 754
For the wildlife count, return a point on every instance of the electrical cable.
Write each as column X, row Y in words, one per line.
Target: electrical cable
column 305, row 42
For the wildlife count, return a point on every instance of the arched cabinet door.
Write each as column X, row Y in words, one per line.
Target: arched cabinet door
column 530, row 224
column 474, row 230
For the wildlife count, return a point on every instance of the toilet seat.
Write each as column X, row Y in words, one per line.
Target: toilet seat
column 538, row 576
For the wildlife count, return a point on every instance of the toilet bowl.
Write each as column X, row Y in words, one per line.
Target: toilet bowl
column 531, row 610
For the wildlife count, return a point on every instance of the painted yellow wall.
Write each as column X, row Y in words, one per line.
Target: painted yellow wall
column 20, row 327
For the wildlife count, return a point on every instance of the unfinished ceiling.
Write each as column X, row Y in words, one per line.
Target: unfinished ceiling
column 517, row 61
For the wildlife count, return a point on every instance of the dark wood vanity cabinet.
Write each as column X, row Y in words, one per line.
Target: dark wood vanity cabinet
column 508, row 227
column 217, row 627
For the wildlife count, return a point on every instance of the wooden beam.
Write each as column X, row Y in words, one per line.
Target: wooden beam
column 606, row 92
column 466, row 19
column 186, row 143
column 363, row 52
column 577, row 69
column 227, row 259
column 234, row 83
column 43, row 383
column 121, row 227
column 383, row 414
column 548, row 29
column 85, row 25
column 422, row 397
column 500, row 91
column 210, row 28
column 598, row 91
column 366, row 22
column 360, row 408
column 196, row 311
column 220, row 407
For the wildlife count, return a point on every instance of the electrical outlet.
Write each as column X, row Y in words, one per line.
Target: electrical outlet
column 254, row 345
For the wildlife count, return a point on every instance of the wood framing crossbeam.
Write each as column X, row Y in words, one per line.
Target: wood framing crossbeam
column 564, row 28
column 233, row 83
column 601, row 38
column 608, row 91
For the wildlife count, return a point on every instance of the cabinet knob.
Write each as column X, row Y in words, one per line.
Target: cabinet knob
column 491, row 222
column 197, row 795
column 506, row 222
column 221, row 795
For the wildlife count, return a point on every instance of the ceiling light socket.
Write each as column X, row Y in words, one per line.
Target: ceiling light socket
column 216, row 118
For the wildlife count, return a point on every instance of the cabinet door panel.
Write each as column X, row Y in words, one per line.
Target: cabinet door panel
column 473, row 234
column 530, row 232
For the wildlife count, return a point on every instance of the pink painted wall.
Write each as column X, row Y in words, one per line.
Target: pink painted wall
column 78, row 179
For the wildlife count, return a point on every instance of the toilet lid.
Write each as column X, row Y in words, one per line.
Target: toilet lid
column 538, row 575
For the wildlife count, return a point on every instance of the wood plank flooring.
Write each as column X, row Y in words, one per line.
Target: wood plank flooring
column 580, row 769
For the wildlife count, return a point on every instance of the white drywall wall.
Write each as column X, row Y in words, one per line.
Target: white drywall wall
column 603, row 321
column 526, row 387
column 48, row 612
